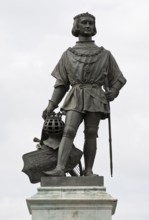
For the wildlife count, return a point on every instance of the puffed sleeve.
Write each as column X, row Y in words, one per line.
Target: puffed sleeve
column 114, row 72
column 60, row 73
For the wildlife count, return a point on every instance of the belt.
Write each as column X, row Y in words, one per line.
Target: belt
column 86, row 85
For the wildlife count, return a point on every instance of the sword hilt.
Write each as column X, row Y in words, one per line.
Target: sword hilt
column 106, row 82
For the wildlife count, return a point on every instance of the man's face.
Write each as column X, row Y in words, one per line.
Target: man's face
column 86, row 26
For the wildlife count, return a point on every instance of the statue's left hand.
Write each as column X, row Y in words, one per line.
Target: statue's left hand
column 112, row 94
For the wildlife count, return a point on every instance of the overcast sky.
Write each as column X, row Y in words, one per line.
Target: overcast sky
column 33, row 36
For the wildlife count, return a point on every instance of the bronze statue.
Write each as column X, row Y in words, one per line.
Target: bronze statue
column 83, row 68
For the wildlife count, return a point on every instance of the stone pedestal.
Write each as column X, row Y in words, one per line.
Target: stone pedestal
column 72, row 198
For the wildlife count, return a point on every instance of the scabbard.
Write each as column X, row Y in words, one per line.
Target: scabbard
column 110, row 144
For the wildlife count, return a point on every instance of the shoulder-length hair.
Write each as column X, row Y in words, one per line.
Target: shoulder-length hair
column 75, row 29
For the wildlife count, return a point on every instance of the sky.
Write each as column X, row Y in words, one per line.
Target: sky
column 33, row 36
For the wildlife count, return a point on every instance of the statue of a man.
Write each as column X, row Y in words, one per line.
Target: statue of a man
column 82, row 68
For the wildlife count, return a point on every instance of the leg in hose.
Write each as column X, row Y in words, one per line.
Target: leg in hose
column 73, row 120
column 91, row 128
column 64, row 152
column 89, row 155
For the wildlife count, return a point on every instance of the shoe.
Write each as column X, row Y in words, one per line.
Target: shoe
column 89, row 173
column 55, row 172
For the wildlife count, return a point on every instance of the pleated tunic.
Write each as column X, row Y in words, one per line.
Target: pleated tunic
column 81, row 70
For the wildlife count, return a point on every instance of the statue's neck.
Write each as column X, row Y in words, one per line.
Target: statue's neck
column 85, row 39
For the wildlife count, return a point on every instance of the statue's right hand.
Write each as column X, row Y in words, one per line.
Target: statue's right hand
column 44, row 114
column 47, row 112
column 50, row 108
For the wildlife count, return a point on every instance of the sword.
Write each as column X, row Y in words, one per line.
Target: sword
column 106, row 87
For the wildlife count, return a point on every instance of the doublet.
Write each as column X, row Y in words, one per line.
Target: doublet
column 82, row 68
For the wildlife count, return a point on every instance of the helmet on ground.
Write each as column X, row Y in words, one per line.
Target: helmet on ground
column 54, row 125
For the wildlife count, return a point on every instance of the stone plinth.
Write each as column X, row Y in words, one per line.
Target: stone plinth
column 72, row 198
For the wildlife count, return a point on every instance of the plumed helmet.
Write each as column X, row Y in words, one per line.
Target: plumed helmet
column 54, row 125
